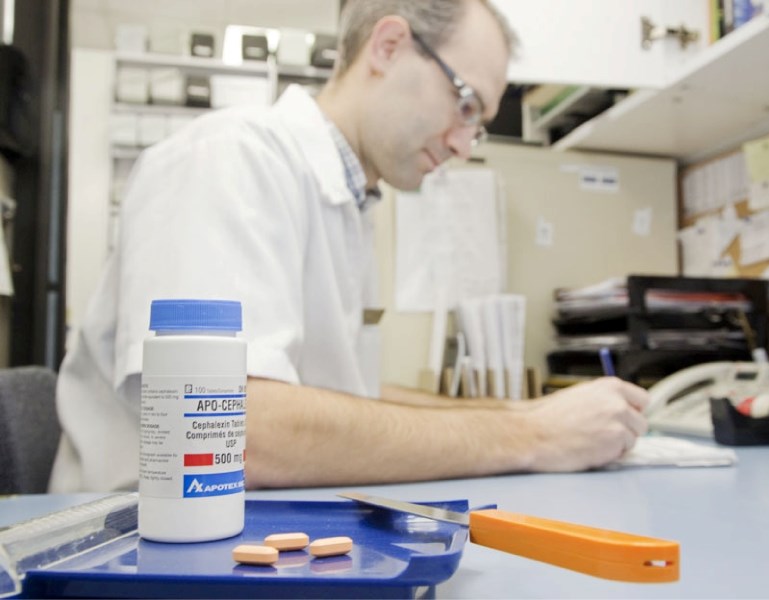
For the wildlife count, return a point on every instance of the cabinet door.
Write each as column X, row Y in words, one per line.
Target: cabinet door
column 598, row 42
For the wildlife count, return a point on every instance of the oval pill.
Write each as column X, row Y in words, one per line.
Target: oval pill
column 333, row 546
column 255, row 555
column 287, row 541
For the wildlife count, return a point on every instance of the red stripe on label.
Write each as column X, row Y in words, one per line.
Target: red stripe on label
column 198, row 460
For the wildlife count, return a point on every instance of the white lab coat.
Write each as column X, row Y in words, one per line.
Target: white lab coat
column 245, row 204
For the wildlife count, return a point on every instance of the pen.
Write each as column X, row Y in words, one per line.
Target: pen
column 606, row 362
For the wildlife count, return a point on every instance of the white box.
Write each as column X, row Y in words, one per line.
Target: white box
column 294, row 47
column 167, row 86
column 232, row 90
column 169, row 40
column 132, row 85
column 152, row 129
column 124, row 129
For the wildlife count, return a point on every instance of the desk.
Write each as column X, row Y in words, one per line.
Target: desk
column 720, row 516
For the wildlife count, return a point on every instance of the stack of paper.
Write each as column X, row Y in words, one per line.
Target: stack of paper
column 493, row 333
column 662, row 450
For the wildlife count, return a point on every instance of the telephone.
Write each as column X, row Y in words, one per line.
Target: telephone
column 680, row 403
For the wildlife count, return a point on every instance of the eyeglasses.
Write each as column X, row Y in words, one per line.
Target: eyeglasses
column 469, row 104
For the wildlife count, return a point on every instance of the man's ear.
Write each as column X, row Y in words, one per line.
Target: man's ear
column 388, row 39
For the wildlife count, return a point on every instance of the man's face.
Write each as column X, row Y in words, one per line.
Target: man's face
column 416, row 125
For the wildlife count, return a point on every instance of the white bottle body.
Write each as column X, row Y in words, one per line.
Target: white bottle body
column 192, row 437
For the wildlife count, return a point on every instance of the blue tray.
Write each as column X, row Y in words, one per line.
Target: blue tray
column 393, row 555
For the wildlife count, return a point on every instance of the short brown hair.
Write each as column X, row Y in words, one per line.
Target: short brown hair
column 434, row 20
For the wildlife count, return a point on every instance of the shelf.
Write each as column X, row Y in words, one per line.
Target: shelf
column 125, row 152
column 216, row 66
column 158, row 109
column 303, row 72
column 192, row 64
column 571, row 101
column 717, row 101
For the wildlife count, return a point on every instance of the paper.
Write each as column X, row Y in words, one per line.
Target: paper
column 470, row 321
column 456, row 377
column 512, row 309
column 729, row 227
column 492, row 334
column 757, row 158
column 438, row 338
column 447, row 238
column 594, row 178
column 724, row 267
column 603, row 179
column 642, row 221
column 758, row 195
column 711, row 186
column 494, row 329
column 704, row 243
column 661, row 450
column 754, row 239
column 544, row 233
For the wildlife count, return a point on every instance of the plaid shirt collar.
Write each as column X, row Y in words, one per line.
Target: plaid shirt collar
column 353, row 171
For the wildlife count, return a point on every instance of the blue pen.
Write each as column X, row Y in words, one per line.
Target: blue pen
column 606, row 362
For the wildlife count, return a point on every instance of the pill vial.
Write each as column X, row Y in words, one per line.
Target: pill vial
column 192, row 422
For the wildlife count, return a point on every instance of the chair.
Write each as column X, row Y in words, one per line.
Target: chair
column 29, row 429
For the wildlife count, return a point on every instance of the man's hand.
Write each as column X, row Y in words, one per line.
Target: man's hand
column 587, row 425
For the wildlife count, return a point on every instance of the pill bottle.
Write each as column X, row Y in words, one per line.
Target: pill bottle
column 192, row 422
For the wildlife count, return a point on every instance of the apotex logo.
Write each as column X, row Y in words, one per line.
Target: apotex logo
column 213, row 484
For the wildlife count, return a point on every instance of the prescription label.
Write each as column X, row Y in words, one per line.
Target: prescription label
column 193, row 436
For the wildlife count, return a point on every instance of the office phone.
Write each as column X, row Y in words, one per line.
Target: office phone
column 680, row 403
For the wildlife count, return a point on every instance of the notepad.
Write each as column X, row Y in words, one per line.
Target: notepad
column 662, row 450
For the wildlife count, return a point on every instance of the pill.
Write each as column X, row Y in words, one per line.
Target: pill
column 255, row 555
column 333, row 546
column 287, row 541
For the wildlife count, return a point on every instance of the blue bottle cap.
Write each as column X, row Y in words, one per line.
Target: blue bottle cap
column 190, row 315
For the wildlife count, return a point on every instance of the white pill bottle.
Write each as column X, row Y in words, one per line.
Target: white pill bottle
column 193, row 422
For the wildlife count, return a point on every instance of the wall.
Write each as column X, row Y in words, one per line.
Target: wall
column 592, row 241
column 89, row 176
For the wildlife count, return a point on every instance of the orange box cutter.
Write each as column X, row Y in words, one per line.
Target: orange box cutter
column 598, row 552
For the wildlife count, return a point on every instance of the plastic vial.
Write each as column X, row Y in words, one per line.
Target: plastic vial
column 193, row 422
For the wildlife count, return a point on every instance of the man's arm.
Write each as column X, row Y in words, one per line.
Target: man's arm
column 302, row 436
column 413, row 397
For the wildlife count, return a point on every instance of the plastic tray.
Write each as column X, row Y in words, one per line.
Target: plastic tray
column 394, row 555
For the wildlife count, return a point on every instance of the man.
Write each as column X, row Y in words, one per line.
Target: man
column 271, row 209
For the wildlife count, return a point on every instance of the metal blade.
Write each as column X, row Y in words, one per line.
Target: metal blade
column 431, row 512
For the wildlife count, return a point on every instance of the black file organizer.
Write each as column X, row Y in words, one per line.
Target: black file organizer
column 638, row 361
